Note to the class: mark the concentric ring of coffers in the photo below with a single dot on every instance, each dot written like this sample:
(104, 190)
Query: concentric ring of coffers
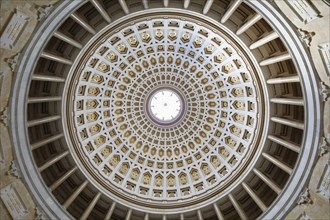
(115, 137)
(303, 77)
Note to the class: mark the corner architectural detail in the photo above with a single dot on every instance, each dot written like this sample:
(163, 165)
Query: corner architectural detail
(306, 36)
(43, 11)
(324, 147)
(324, 50)
(304, 216)
(13, 202)
(39, 215)
(1, 78)
(324, 92)
(4, 116)
(324, 186)
(13, 61)
(305, 10)
(13, 170)
(327, 2)
(13, 30)
(304, 197)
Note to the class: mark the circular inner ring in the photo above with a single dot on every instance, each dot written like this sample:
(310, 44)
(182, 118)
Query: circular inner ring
(209, 141)
(165, 106)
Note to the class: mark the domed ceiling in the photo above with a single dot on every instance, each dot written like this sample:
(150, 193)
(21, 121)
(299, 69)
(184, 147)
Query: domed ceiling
(140, 140)
(135, 110)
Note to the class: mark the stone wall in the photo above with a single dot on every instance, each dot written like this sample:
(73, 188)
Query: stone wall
(18, 21)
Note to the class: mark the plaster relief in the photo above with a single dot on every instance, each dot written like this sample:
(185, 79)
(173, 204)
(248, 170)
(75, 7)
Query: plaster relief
(4, 117)
(325, 55)
(324, 91)
(39, 215)
(13, 30)
(2, 157)
(13, 61)
(43, 11)
(324, 185)
(1, 79)
(13, 170)
(306, 36)
(305, 10)
(324, 147)
(13, 202)
(304, 198)
(304, 216)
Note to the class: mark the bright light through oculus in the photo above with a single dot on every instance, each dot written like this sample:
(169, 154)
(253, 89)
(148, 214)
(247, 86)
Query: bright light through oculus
(165, 105)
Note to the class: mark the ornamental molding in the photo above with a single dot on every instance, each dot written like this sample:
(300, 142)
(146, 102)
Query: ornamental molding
(13, 202)
(14, 170)
(304, 197)
(324, 50)
(304, 216)
(43, 11)
(306, 36)
(324, 91)
(324, 146)
(324, 185)
(13, 30)
(304, 9)
(39, 215)
(12, 61)
(4, 118)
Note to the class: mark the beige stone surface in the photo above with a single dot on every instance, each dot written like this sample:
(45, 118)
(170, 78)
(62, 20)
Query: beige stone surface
(320, 27)
(327, 119)
(4, 214)
(7, 9)
(24, 195)
(319, 209)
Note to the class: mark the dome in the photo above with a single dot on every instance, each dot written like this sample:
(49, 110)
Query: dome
(171, 113)
(166, 110)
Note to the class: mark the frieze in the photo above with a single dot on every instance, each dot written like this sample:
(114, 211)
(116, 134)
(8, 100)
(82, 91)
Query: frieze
(324, 91)
(304, 216)
(304, 197)
(43, 11)
(39, 215)
(13, 61)
(306, 36)
(304, 9)
(324, 50)
(13, 30)
(324, 186)
(4, 117)
(13, 170)
(13, 202)
(324, 147)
